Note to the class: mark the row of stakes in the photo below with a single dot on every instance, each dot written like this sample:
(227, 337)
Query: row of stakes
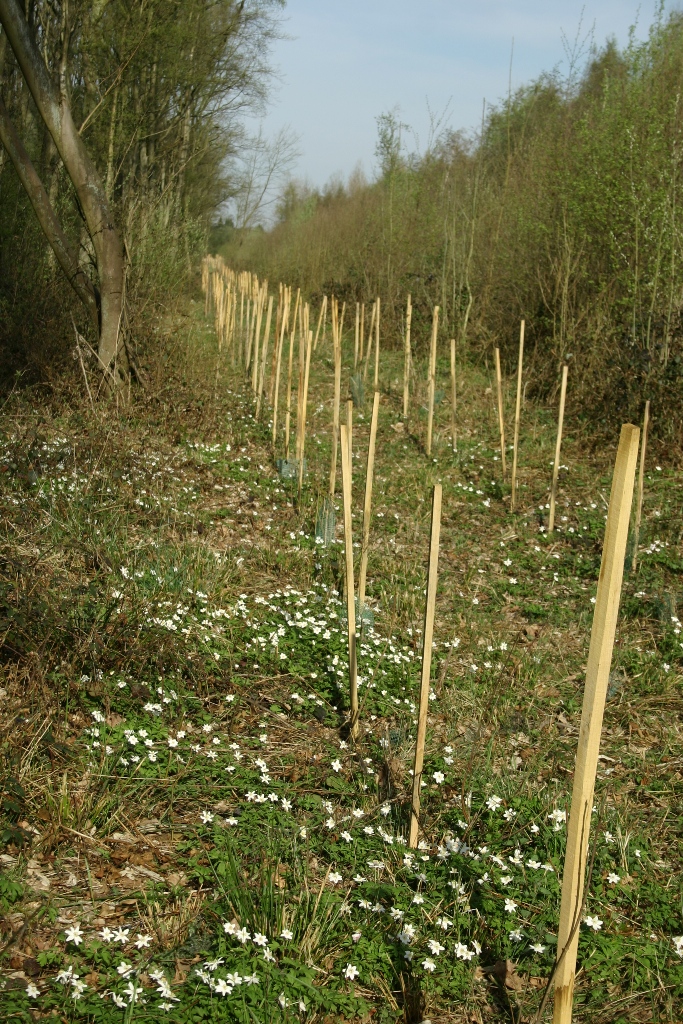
(611, 569)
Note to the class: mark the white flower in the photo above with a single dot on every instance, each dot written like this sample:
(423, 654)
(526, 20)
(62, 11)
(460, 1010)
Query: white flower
(493, 803)
(444, 923)
(222, 988)
(286, 934)
(206, 817)
(613, 878)
(515, 936)
(351, 972)
(678, 944)
(143, 941)
(124, 969)
(429, 965)
(558, 815)
(347, 837)
(462, 952)
(32, 991)
(334, 877)
(510, 906)
(609, 838)
(336, 765)
(593, 922)
(259, 939)
(106, 935)
(435, 947)
(74, 934)
(538, 948)
(439, 777)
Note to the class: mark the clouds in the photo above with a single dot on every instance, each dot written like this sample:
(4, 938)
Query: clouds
(343, 64)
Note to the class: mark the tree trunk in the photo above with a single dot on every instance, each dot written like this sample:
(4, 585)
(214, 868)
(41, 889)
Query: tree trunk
(56, 113)
(46, 216)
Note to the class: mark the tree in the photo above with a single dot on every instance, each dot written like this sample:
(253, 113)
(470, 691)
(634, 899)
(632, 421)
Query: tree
(55, 110)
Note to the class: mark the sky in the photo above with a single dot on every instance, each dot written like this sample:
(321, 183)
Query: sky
(341, 63)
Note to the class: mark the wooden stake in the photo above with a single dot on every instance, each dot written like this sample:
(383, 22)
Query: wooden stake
(341, 323)
(377, 346)
(350, 588)
(280, 345)
(501, 412)
(518, 407)
(303, 336)
(292, 336)
(264, 354)
(406, 360)
(337, 397)
(372, 326)
(595, 692)
(367, 507)
(558, 446)
(426, 666)
(309, 349)
(323, 313)
(641, 480)
(362, 332)
(454, 399)
(349, 427)
(431, 379)
(255, 346)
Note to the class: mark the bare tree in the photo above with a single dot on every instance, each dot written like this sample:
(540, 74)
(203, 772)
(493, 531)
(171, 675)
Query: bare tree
(264, 167)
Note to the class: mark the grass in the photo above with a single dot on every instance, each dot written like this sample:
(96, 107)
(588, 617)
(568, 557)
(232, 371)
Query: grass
(174, 700)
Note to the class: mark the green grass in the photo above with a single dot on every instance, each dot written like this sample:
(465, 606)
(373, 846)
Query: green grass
(175, 699)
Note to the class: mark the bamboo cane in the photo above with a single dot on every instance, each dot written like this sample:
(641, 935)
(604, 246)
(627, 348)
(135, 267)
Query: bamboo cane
(641, 481)
(558, 446)
(454, 435)
(356, 337)
(406, 360)
(367, 507)
(431, 379)
(349, 427)
(595, 691)
(337, 397)
(264, 354)
(309, 349)
(426, 666)
(350, 588)
(501, 414)
(518, 406)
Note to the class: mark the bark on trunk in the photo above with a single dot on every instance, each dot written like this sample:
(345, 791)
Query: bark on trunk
(56, 113)
(46, 216)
